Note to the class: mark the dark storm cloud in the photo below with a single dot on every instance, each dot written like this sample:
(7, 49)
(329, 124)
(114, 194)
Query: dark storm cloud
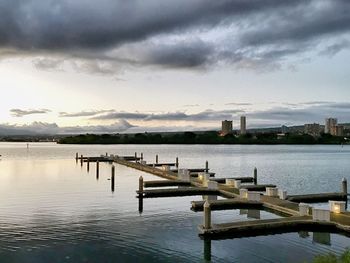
(22, 113)
(63, 24)
(170, 34)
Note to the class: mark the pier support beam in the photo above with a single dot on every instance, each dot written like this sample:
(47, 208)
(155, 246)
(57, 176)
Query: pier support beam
(207, 215)
(141, 156)
(206, 166)
(255, 175)
(157, 159)
(135, 157)
(76, 157)
(97, 169)
(112, 178)
(88, 164)
(177, 162)
(140, 186)
(345, 186)
(81, 160)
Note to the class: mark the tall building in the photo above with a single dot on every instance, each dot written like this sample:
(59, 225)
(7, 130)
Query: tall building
(243, 125)
(337, 130)
(313, 129)
(226, 127)
(330, 122)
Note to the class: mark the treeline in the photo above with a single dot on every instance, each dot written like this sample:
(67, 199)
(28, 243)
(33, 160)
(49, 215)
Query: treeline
(211, 137)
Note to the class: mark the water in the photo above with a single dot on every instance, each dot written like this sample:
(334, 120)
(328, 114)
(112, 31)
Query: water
(53, 210)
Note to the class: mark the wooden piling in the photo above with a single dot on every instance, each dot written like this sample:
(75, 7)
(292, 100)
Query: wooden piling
(345, 186)
(112, 178)
(135, 157)
(141, 156)
(177, 162)
(206, 166)
(207, 249)
(207, 215)
(157, 159)
(97, 169)
(140, 186)
(88, 164)
(255, 175)
(81, 160)
(76, 156)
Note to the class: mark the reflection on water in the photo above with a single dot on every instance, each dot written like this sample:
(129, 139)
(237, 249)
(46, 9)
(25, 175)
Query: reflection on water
(54, 210)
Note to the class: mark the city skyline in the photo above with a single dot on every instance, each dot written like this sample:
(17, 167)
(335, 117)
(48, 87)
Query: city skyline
(208, 62)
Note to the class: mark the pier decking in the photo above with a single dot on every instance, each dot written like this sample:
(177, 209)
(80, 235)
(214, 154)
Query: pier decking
(288, 206)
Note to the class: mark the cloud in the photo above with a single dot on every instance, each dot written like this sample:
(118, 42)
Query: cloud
(238, 104)
(83, 113)
(37, 128)
(116, 35)
(22, 113)
(207, 115)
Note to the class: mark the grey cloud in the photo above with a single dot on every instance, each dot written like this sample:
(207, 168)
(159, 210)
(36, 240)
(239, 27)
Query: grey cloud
(207, 115)
(238, 104)
(83, 113)
(37, 128)
(95, 38)
(22, 113)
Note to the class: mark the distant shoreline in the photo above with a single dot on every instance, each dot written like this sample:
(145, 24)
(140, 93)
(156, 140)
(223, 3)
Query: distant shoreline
(205, 138)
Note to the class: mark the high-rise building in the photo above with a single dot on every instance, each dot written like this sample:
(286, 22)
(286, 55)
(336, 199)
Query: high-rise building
(337, 130)
(330, 122)
(313, 129)
(226, 127)
(243, 125)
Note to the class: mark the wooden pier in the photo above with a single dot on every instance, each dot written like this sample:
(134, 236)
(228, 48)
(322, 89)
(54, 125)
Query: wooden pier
(297, 216)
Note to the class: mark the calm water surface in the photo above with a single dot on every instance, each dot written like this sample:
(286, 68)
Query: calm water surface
(54, 210)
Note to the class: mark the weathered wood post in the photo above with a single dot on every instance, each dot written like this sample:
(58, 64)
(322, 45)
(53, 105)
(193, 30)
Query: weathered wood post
(141, 156)
(157, 159)
(345, 186)
(135, 157)
(112, 178)
(141, 204)
(76, 157)
(206, 166)
(88, 164)
(97, 169)
(207, 215)
(140, 186)
(255, 176)
(81, 160)
(177, 162)
(207, 249)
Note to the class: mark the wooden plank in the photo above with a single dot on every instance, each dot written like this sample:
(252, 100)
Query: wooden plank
(161, 164)
(316, 198)
(171, 192)
(165, 183)
(227, 204)
(267, 227)
(257, 187)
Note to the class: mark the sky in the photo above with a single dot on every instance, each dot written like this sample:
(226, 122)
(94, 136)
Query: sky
(161, 65)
